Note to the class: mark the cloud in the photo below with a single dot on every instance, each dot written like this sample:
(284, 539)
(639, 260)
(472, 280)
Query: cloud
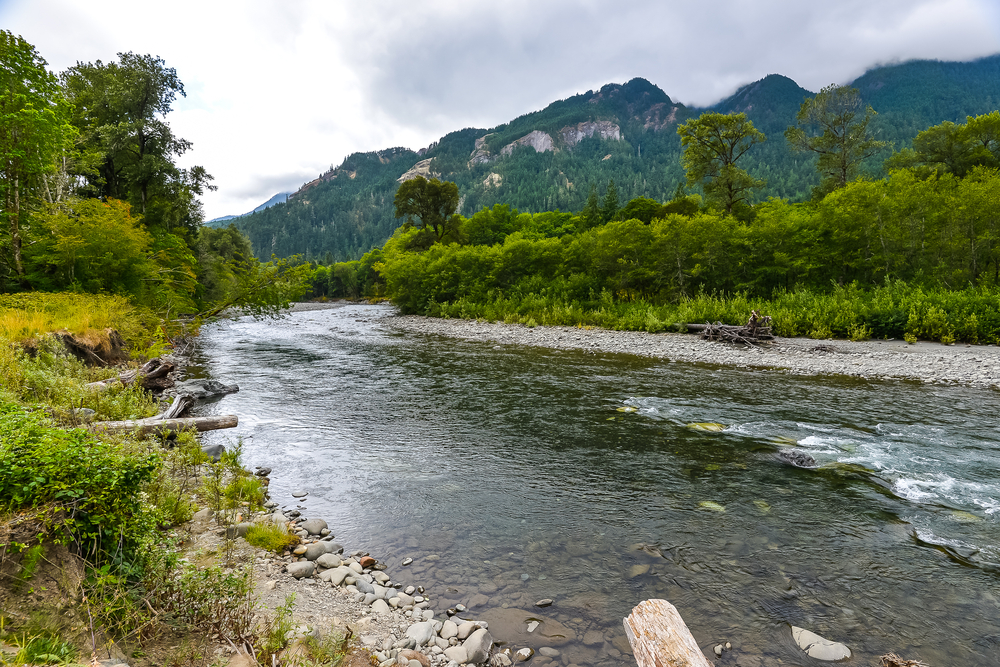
(279, 91)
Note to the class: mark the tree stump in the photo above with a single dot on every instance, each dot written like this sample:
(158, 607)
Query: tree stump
(659, 637)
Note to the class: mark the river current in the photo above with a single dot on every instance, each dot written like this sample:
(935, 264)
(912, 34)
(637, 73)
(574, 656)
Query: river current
(512, 474)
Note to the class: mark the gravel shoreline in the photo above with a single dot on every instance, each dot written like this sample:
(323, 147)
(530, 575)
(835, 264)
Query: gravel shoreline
(969, 365)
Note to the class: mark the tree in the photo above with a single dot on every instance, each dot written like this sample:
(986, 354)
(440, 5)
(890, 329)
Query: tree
(120, 109)
(713, 143)
(432, 203)
(34, 131)
(834, 125)
(950, 148)
(609, 209)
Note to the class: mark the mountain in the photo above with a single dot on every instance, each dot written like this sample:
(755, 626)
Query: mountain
(279, 198)
(550, 159)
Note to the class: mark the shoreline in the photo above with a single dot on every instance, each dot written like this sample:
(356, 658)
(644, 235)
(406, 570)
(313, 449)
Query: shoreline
(975, 366)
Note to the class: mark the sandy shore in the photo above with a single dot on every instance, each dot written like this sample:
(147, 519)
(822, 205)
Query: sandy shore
(970, 365)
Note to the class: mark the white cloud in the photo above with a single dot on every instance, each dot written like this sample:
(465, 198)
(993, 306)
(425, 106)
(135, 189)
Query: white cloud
(278, 91)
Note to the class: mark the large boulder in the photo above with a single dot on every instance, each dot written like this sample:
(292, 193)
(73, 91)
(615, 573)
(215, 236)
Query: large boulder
(478, 645)
(204, 388)
(313, 526)
(422, 633)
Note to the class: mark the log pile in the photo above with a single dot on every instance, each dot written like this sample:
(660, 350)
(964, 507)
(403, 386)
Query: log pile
(757, 330)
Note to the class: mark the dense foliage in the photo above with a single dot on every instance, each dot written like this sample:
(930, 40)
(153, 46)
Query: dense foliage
(348, 211)
(92, 197)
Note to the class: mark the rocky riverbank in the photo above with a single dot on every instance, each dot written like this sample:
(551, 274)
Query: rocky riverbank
(970, 365)
(338, 594)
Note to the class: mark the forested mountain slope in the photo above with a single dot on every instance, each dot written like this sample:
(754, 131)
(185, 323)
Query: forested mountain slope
(550, 159)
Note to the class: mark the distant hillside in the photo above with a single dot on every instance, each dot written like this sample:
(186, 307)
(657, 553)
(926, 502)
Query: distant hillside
(279, 198)
(549, 159)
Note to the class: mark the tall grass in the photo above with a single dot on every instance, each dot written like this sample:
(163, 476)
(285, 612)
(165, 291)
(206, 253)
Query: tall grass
(893, 310)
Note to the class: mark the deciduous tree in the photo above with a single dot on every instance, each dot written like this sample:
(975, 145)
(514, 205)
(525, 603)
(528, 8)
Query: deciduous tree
(713, 143)
(834, 125)
(431, 204)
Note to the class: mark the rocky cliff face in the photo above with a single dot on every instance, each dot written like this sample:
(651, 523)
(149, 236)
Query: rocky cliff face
(422, 168)
(540, 141)
(605, 129)
(481, 154)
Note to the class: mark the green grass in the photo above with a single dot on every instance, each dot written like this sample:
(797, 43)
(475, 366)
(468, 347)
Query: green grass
(271, 537)
(893, 310)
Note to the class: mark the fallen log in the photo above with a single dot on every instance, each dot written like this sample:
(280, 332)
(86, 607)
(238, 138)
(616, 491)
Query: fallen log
(757, 330)
(154, 374)
(162, 426)
(659, 637)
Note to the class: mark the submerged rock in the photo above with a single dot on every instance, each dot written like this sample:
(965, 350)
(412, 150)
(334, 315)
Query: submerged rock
(797, 458)
(204, 388)
(711, 505)
(707, 426)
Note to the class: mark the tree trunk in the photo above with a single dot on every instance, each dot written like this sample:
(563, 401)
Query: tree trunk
(659, 637)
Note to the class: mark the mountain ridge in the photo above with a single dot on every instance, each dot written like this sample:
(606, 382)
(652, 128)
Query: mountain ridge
(548, 159)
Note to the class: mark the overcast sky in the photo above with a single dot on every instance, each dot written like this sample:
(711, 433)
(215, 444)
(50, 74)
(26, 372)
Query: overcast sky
(279, 90)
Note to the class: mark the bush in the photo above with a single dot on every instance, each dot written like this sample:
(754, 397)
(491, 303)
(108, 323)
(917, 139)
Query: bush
(92, 489)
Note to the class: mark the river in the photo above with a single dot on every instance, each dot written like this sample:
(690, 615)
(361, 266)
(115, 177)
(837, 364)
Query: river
(512, 474)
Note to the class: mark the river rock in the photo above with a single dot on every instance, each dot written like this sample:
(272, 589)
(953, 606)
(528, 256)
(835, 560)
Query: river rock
(547, 602)
(478, 600)
(449, 629)
(421, 633)
(512, 625)
(317, 549)
(466, 629)
(239, 530)
(336, 575)
(328, 560)
(214, 452)
(411, 655)
(404, 599)
(593, 638)
(524, 654)
(819, 648)
(204, 388)
(301, 569)
(313, 526)
(797, 458)
(456, 654)
(478, 645)
(549, 652)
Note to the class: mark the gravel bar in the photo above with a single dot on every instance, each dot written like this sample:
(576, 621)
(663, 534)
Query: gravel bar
(969, 365)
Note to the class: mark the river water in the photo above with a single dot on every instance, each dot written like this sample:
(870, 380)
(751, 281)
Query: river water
(511, 474)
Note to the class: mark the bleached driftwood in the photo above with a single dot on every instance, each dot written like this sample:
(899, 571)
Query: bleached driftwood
(659, 637)
(151, 375)
(756, 330)
(168, 421)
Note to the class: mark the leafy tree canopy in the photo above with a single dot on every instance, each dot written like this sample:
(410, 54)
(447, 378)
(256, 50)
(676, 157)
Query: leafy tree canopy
(713, 143)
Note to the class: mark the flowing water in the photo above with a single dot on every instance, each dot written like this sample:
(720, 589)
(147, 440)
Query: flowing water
(509, 474)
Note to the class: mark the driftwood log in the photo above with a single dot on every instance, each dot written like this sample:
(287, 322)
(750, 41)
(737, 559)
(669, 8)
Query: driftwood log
(659, 637)
(757, 330)
(168, 421)
(154, 374)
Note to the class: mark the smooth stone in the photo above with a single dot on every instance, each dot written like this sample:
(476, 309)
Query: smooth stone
(512, 623)
(299, 550)
(415, 656)
(369, 598)
(718, 650)
(478, 645)
(478, 600)
(364, 586)
(317, 549)
(337, 575)
(204, 388)
(214, 451)
(381, 592)
(394, 602)
(263, 472)
(380, 607)
(279, 518)
(460, 608)
(449, 629)
(239, 530)
(532, 625)
(421, 632)
(410, 590)
(638, 570)
(356, 566)
(593, 638)
(407, 561)
(466, 629)
(544, 603)
(328, 560)
(300, 569)
(299, 494)
(549, 652)
(457, 654)
(819, 648)
(314, 526)
(381, 577)
(404, 599)
(525, 654)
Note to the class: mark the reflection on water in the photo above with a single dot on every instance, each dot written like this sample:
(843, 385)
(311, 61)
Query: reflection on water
(510, 475)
